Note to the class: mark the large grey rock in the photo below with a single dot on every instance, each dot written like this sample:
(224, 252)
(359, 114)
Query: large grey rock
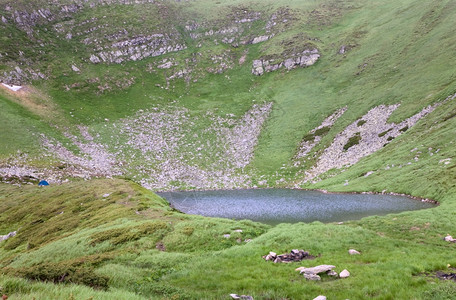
(313, 277)
(257, 67)
(289, 63)
(304, 59)
(307, 61)
(316, 270)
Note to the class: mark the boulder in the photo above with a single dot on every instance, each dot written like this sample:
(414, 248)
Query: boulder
(320, 298)
(316, 270)
(289, 63)
(344, 274)
(309, 60)
(257, 67)
(313, 277)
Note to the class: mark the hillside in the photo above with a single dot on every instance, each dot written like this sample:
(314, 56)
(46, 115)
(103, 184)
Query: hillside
(346, 96)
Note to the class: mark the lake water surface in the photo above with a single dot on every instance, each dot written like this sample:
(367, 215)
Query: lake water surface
(274, 206)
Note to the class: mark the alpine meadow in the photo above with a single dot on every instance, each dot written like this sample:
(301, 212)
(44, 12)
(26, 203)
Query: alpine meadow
(103, 103)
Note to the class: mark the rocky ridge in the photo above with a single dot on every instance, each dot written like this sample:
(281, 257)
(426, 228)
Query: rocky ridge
(105, 43)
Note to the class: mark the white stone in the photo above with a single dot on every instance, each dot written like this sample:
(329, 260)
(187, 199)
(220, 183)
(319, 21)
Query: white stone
(353, 252)
(320, 298)
(344, 274)
(74, 68)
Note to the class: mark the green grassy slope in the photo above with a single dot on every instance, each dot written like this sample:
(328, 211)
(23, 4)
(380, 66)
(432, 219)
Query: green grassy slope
(77, 235)
(393, 60)
(109, 247)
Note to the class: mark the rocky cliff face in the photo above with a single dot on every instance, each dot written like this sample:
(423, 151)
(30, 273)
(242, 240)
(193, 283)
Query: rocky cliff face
(305, 58)
(95, 33)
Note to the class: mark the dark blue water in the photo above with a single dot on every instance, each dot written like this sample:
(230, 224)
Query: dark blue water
(274, 206)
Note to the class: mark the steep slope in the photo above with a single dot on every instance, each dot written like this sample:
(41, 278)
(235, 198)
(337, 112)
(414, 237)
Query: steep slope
(105, 62)
(338, 95)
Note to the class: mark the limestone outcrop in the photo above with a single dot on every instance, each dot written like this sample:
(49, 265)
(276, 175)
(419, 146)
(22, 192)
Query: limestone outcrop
(305, 58)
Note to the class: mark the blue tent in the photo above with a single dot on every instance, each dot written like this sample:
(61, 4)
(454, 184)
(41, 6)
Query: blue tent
(43, 183)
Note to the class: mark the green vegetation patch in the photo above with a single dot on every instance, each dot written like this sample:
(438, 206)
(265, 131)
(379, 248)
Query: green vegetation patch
(79, 271)
(381, 134)
(361, 123)
(126, 234)
(352, 141)
(319, 132)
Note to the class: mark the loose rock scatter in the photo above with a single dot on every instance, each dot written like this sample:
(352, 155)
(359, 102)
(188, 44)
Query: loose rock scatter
(312, 273)
(446, 276)
(295, 255)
